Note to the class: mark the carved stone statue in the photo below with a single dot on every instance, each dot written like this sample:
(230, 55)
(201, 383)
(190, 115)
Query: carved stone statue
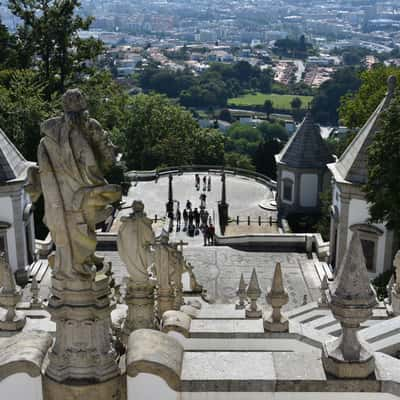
(73, 155)
(165, 259)
(395, 294)
(134, 239)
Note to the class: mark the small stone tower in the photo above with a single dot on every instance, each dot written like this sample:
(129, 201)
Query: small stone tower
(301, 170)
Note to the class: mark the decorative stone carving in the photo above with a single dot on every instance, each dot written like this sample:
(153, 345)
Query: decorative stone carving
(323, 301)
(253, 293)
(352, 301)
(176, 321)
(134, 240)
(241, 292)
(36, 301)
(165, 261)
(395, 295)
(156, 353)
(10, 296)
(23, 353)
(73, 156)
(277, 297)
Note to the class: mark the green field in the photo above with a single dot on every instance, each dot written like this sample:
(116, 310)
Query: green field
(280, 101)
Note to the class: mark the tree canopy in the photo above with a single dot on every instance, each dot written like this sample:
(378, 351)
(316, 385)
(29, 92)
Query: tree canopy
(383, 187)
(356, 107)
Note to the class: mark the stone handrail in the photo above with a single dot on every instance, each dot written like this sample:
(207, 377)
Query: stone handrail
(154, 174)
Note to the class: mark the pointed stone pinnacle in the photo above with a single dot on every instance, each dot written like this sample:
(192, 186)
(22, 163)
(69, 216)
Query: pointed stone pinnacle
(253, 290)
(277, 281)
(324, 283)
(242, 284)
(352, 285)
(253, 293)
(241, 292)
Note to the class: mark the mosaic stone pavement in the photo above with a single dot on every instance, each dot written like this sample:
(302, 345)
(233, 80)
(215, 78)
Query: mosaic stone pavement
(218, 269)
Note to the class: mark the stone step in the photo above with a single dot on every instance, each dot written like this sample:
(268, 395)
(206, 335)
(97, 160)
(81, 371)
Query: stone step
(333, 330)
(249, 328)
(322, 322)
(388, 345)
(299, 311)
(265, 344)
(310, 316)
(383, 328)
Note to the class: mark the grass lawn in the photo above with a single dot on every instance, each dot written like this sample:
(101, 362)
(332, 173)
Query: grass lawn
(280, 101)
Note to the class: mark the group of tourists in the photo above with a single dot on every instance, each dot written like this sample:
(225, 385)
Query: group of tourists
(196, 220)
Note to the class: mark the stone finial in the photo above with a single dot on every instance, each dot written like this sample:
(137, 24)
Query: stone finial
(253, 293)
(323, 300)
(241, 292)
(277, 297)
(195, 287)
(36, 301)
(352, 301)
(10, 296)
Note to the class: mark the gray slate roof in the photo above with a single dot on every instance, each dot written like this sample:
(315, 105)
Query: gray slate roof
(306, 148)
(352, 166)
(12, 164)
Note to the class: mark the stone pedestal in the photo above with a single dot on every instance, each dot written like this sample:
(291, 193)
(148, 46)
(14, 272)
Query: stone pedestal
(82, 350)
(113, 389)
(395, 302)
(140, 302)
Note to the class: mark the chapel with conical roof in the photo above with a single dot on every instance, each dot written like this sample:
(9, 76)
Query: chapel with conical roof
(349, 212)
(301, 170)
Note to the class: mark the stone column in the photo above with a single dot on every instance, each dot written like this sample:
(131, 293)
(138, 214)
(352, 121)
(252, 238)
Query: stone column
(170, 203)
(396, 287)
(352, 301)
(253, 293)
(135, 238)
(277, 297)
(10, 296)
(223, 206)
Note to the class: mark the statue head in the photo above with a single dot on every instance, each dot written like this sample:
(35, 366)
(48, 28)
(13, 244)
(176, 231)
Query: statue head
(74, 101)
(138, 207)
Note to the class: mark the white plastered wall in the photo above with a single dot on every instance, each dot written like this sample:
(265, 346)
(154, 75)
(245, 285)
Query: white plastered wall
(308, 190)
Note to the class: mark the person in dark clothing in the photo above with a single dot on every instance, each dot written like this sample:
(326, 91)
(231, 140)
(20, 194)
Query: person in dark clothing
(196, 215)
(197, 181)
(185, 219)
(191, 217)
(204, 183)
(209, 183)
(205, 235)
(188, 205)
(211, 234)
(203, 197)
(178, 219)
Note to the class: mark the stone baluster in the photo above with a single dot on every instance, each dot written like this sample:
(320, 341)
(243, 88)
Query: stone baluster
(10, 296)
(352, 301)
(253, 293)
(277, 297)
(241, 292)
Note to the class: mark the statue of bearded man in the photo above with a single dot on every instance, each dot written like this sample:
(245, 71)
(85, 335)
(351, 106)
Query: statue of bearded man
(73, 156)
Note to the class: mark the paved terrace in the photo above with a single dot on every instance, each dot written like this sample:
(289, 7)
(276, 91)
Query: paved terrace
(243, 196)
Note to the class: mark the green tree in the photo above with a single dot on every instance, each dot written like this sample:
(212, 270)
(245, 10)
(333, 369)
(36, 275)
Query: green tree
(225, 115)
(7, 48)
(268, 107)
(243, 139)
(160, 133)
(356, 108)
(383, 186)
(23, 109)
(296, 103)
(48, 39)
(237, 160)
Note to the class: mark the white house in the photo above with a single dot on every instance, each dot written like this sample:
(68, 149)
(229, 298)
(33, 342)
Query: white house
(349, 211)
(17, 235)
